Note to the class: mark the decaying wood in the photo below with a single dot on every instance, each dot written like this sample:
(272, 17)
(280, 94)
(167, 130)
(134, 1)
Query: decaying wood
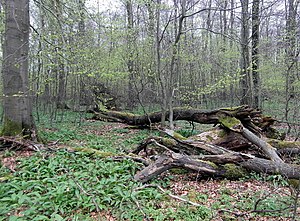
(213, 153)
(170, 160)
(267, 148)
(215, 165)
(270, 167)
(243, 113)
(236, 125)
(284, 144)
(224, 138)
(15, 143)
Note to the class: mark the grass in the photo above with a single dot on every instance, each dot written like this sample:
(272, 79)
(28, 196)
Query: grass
(68, 185)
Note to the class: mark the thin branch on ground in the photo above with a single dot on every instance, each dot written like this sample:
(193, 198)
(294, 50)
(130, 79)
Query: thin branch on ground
(83, 190)
(169, 194)
(12, 142)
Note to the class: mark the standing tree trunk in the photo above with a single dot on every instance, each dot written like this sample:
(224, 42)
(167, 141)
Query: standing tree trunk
(130, 61)
(174, 62)
(159, 71)
(291, 55)
(255, 55)
(60, 65)
(83, 94)
(245, 61)
(17, 104)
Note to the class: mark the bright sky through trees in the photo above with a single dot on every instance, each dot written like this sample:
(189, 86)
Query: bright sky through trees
(102, 5)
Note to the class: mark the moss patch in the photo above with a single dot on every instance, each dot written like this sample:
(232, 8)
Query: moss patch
(169, 142)
(97, 153)
(230, 122)
(11, 128)
(123, 114)
(178, 136)
(232, 108)
(222, 133)
(209, 163)
(233, 171)
(280, 144)
(209, 138)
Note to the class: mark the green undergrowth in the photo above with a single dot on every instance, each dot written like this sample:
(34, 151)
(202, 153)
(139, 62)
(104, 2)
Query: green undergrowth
(70, 185)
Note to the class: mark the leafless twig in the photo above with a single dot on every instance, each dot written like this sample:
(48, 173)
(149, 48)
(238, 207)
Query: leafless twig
(169, 194)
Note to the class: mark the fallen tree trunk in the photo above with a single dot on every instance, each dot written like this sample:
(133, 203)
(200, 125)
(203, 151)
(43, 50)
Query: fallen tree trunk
(256, 164)
(223, 163)
(236, 125)
(284, 144)
(237, 142)
(205, 166)
(241, 128)
(170, 160)
(243, 113)
(265, 147)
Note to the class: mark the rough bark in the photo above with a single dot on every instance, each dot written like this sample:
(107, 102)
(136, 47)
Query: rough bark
(208, 153)
(130, 61)
(244, 60)
(213, 161)
(243, 113)
(255, 54)
(172, 160)
(17, 103)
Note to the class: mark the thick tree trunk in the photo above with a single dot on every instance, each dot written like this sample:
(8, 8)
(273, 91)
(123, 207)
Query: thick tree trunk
(17, 104)
(243, 113)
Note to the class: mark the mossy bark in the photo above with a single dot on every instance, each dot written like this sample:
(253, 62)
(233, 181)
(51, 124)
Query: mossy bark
(95, 152)
(17, 103)
(280, 144)
(14, 128)
(233, 171)
(212, 160)
(11, 128)
(200, 116)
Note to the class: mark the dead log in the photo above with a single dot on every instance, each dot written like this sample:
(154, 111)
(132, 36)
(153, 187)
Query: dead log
(235, 141)
(270, 151)
(223, 138)
(17, 143)
(243, 113)
(260, 165)
(236, 125)
(223, 163)
(251, 118)
(170, 160)
(245, 126)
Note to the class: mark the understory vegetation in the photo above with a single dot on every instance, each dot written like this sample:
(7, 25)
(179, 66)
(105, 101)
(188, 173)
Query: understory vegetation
(65, 183)
(107, 105)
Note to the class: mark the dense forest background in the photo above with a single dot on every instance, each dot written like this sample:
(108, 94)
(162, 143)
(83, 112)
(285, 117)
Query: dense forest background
(159, 54)
(73, 70)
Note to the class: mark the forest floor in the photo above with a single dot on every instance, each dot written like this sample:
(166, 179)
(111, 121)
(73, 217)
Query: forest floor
(63, 184)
